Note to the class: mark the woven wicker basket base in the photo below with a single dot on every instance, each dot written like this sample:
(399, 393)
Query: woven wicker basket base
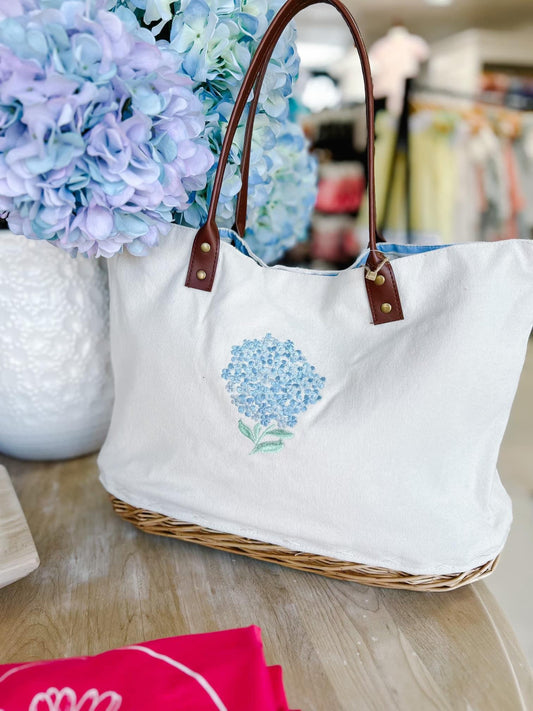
(161, 525)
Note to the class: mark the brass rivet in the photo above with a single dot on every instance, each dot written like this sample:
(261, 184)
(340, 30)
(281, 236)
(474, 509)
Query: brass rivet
(205, 247)
(201, 275)
(380, 280)
(386, 308)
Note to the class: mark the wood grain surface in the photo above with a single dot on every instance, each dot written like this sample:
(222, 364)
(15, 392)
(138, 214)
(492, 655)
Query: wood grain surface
(18, 555)
(343, 647)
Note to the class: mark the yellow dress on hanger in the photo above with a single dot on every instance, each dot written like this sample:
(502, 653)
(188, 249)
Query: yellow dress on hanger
(433, 175)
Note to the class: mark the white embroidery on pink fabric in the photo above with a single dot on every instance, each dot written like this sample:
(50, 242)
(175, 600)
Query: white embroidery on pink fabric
(45, 705)
(20, 668)
(66, 700)
(206, 686)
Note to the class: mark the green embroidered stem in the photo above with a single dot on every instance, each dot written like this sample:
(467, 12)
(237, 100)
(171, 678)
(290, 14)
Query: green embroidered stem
(257, 437)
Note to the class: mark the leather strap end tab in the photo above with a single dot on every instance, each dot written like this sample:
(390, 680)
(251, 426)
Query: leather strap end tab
(383, 296)
(204, 259)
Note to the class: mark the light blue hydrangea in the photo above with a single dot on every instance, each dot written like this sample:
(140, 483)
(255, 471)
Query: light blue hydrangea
(155, 10)
(216, 40)
(283, 201)
(101, 135)
(270, 382)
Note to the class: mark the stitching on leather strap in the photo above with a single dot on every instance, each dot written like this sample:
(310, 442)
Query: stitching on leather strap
(214, 265)
(398, 303)
(371, 302)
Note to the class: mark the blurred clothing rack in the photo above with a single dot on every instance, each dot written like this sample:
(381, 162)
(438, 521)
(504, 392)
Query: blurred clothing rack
(514, 102)
(464, 173)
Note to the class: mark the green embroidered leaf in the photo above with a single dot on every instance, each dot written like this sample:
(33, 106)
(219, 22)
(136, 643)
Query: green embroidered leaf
(274, 446)
(247, 432)
(257, 430)
(281, 433)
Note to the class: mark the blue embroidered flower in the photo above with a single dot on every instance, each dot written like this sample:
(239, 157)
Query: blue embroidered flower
(271, 382)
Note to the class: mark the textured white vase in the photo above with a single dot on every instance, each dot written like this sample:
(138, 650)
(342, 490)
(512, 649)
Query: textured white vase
(55, 375)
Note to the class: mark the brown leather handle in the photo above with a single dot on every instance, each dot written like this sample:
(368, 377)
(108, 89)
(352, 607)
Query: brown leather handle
(241, 207)
(205, 250)
(257, 67)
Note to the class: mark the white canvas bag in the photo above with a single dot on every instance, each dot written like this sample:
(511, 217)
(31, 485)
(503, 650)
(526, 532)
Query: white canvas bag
(353, 416)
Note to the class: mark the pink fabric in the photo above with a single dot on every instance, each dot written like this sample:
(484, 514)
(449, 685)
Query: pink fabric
(223, 671)
(334, 240)
(517, 202)
(340, 195)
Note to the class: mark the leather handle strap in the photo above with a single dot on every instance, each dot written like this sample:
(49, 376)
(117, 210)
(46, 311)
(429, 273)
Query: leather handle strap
(241, 207)
(257, 66)
(206, 246)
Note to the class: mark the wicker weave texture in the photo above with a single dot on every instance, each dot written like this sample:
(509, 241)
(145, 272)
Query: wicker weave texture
(158, 524)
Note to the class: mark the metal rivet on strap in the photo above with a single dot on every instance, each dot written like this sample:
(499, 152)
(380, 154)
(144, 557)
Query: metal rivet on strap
(386, 308)
(205, 247)
(201, 275)
(380, 280)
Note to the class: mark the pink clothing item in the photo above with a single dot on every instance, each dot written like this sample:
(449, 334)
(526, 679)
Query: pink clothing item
(218, 671)
(482, 195)
(342, 195)
(517, 200)
(395, 58)
(334, 239)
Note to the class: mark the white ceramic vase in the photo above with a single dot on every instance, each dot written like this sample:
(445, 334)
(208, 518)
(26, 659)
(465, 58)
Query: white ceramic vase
(55, 375)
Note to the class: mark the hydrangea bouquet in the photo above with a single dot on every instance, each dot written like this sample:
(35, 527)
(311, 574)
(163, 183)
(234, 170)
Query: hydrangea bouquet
(108, 130)
(101, 136)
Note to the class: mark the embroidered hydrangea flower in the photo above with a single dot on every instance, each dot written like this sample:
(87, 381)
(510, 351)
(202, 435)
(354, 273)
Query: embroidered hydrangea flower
(216, 40)
(270, 382)
(101, 136)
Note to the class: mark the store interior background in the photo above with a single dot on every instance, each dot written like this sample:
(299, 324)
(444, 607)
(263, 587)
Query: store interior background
(473, 96)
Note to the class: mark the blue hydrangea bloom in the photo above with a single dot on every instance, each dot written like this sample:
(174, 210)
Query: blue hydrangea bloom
(285, 202)
(271, 382)
(216, 40)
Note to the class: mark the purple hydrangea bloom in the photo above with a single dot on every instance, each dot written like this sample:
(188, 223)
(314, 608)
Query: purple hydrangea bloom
(101, 136)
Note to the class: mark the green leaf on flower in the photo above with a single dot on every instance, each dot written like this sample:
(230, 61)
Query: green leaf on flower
(274, 446)
(257, 430)
(247, 432)
(281, 433)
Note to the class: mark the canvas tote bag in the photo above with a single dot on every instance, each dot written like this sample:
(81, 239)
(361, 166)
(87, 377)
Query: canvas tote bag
(346, 423)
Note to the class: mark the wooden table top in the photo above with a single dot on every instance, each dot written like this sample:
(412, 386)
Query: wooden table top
(343, 647)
